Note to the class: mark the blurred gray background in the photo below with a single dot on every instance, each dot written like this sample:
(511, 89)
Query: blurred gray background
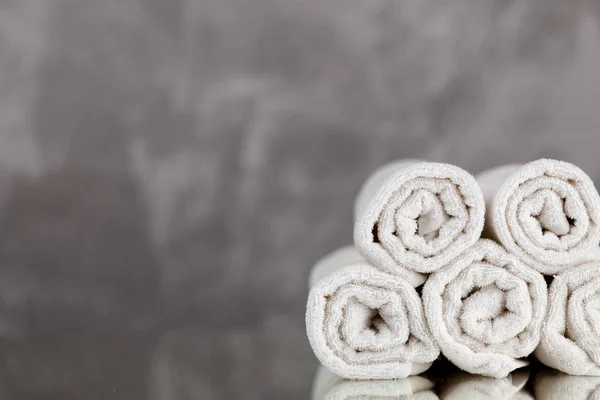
(172, 168)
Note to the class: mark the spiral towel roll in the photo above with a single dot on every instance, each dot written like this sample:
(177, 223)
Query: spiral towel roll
(328, 386)
(571, 335)
(546, 212)
(485, 310)
(414, 218)
(365, 324)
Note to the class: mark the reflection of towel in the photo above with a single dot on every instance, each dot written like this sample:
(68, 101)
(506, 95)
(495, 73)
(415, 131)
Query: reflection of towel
(415, 218)
(546, 212)
(366, 324)
(485, 310)
(463, 386)
(571, 335)
(328, 386)
(553, 385)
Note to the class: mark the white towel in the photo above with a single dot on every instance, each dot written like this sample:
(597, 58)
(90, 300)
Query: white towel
(332, 262)
(365, 324)
(415, 217)
(571, 334)
(553, 385)
(485, 310)
(546, 212)
(328, 386)
(463, 386)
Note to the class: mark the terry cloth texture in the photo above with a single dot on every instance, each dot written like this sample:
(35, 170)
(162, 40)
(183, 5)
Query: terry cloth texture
(571, 335)
(365, 324)
(486, 310)
(546, 212)
(414, 218)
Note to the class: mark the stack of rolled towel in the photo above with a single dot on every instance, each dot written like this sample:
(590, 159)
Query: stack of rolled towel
(444, 261)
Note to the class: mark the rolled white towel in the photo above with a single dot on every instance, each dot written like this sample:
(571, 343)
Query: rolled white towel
(546, 212)
(332, 262)
(571, 332)
(365, 324)
(328, 386)
(463, 386)
(485, 310)
(414, 217)
(554, 385)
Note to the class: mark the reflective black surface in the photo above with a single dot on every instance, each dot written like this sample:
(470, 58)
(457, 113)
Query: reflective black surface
(192, 364)
(444, 381)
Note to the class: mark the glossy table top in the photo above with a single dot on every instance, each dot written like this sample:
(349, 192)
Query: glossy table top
(195, 364)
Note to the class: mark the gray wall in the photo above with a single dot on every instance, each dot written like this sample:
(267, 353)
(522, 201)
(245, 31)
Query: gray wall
(180, 164)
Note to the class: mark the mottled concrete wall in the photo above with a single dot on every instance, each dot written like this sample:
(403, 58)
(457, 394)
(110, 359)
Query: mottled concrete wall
(171, 164)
